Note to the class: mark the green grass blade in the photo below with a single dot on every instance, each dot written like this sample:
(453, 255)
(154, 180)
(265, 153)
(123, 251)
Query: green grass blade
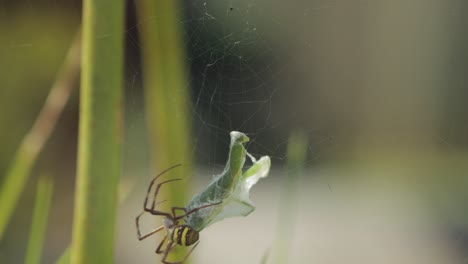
(39, 220)
(123, 194)
(166, 89)
(167, 96)
(99, 146)
(32, 144)
(65, 257)
(264, 259)
(296, 157)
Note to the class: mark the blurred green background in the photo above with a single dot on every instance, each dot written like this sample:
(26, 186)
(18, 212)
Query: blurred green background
(378, 87)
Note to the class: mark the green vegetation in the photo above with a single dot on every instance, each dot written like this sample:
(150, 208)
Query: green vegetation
(264, 259)
(39, 220)
(33, 143)
(296, 158)
(100, 133)
(167, 94)
(65, 257)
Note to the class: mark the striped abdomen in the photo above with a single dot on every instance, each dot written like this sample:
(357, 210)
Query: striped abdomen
(184, 235)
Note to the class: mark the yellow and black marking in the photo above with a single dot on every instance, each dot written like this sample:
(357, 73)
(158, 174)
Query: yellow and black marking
(184, 235)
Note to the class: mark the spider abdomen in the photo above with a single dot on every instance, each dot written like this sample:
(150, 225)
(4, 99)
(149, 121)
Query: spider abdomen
(184, 235)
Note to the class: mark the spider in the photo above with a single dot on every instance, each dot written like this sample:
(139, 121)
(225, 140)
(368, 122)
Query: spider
(176, 234)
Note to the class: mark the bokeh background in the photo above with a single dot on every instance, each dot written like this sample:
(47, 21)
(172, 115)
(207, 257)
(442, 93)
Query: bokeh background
(378, 87)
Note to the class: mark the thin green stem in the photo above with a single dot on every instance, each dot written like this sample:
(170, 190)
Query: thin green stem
(65, 257)
(32, 144)
(296, 156)
(99, 146)
(39, 220)
(166, 93)
(264, 259)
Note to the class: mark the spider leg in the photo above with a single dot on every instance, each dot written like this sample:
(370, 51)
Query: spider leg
(170, 247)
(158, 249)
(151, 209)
(191, 211)
(154, 180)
(178, 208)
(141, 237)
(156, 191)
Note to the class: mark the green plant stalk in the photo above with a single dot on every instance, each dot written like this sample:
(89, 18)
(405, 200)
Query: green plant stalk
(264, 259)
(33, 142)
(167, 95)
(65, 257)
(100, 132)
(296, 157)
(39, 221)
(123, 193)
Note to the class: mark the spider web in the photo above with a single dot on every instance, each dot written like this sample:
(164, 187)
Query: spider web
(237, 73)
(241, 79)
(231, 66)
(258, 68)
